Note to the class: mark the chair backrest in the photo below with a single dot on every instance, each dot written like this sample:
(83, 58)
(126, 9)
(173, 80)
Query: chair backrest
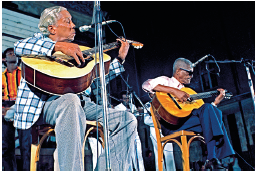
(154, 117)
(156, 124)
(40, 130)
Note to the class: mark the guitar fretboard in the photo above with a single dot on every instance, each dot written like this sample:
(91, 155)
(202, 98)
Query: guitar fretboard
(204, 95)
(106, 47)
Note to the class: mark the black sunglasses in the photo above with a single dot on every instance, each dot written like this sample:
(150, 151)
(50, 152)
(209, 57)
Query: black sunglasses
(190, 72)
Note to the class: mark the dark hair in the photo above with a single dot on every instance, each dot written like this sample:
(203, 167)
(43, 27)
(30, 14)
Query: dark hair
(124, 92)
(4, 56)
(6, 50)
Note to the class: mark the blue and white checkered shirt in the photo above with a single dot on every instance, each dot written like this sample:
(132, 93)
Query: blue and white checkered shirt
(30, 101)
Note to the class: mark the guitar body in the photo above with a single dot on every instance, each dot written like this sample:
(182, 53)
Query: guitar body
(58, 79)
(165, 108)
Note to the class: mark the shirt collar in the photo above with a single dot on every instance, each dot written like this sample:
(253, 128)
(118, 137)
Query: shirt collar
(18, 68)
(41, 36)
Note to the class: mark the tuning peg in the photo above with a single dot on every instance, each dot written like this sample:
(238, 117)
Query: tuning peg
(138, 47)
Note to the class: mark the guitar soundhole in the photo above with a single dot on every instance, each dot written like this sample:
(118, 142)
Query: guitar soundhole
(82, 64)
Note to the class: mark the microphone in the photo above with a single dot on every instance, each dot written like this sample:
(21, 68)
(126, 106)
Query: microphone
(87, 27)
(201, 59)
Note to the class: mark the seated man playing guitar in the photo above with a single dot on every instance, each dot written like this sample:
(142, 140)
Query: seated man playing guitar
(205, 118)
(69, 112)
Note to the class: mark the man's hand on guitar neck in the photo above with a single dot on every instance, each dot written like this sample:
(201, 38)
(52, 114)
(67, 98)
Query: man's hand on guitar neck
(123, 51)
(220, 97)
(70, 49)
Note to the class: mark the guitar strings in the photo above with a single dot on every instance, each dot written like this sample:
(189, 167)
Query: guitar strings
(92, 50)
(204, 95)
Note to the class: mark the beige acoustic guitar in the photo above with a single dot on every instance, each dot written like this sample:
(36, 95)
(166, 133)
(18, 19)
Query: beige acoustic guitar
(59, 73)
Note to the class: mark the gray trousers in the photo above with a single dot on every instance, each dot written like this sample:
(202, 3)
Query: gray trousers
(69, 118)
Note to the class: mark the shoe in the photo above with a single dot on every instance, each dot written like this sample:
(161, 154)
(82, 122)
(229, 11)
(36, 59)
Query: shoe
(214, 165)
(207, 166)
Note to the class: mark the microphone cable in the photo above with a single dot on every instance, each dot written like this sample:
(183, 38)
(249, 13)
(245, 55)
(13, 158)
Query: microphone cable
(124, 35)
(206, 66)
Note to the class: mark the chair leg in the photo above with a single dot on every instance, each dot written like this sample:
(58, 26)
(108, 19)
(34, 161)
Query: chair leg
(160, 157)
(83, 145)
(85, 138)
(34, 157)
(185, 153)
(35, 151)
(159, 144)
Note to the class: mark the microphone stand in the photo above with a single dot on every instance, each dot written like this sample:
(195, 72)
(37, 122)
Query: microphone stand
(98, 34)
(133, 92)
(247, 63)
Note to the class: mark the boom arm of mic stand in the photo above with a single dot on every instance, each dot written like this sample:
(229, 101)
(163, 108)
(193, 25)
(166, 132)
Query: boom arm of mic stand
(246, 63)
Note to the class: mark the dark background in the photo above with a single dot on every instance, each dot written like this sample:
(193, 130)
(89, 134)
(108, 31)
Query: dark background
(173, 29)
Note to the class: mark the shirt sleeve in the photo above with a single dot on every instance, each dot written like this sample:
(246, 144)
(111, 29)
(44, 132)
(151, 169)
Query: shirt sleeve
(36, 45)
(150, 84)
(115, 70)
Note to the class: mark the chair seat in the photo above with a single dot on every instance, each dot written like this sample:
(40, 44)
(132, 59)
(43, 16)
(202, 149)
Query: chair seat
(178, 134)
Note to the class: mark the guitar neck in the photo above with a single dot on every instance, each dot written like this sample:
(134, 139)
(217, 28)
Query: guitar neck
(106, 48)
(204, 95)
(111, 46)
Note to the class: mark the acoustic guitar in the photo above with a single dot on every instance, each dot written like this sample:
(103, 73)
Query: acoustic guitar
(59, 73)
(170, 109)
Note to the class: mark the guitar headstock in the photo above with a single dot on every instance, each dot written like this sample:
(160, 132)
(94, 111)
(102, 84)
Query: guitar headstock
(135, 44)
(228, 95)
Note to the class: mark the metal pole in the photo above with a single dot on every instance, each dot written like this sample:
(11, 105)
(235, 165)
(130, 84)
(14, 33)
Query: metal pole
(250, 85)
(98, 22)
(246, 64)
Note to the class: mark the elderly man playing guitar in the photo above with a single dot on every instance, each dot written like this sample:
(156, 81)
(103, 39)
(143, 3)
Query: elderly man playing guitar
(69, 112)
(204, 118)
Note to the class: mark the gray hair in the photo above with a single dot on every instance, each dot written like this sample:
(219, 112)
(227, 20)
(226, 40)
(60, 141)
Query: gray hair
(49, 16)
(181, 63)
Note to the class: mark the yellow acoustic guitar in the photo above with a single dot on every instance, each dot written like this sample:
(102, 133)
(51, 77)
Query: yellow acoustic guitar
(59, 73)
(170, 109)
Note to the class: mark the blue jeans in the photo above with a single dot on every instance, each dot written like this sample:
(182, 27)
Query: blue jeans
(8, 146)
(25, 140)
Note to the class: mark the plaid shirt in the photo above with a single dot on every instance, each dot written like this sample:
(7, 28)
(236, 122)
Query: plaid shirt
(30, 101)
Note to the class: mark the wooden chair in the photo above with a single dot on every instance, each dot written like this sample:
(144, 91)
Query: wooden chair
(183, 138)
(48, 130)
